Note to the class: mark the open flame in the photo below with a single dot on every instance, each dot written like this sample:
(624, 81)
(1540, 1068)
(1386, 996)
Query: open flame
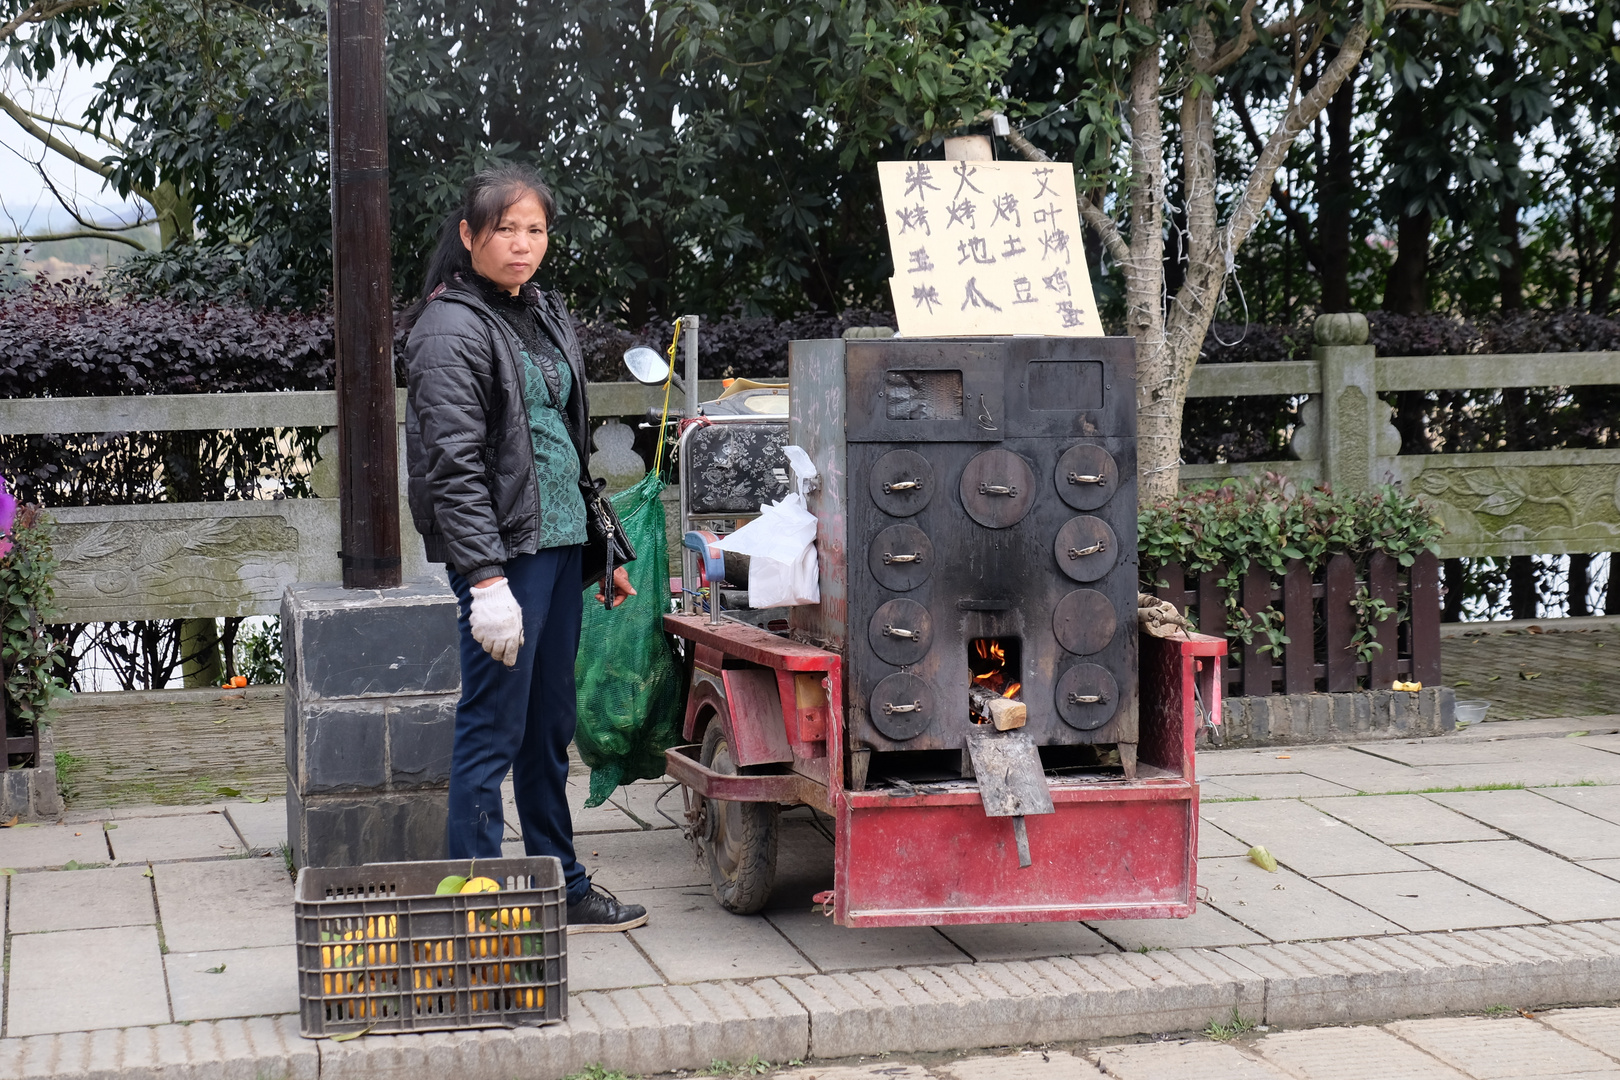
(993, 672)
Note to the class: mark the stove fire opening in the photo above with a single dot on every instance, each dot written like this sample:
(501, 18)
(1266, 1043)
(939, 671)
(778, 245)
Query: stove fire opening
(995, 667)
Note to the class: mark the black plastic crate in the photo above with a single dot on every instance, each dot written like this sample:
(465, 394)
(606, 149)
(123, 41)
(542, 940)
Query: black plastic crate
(379, 952)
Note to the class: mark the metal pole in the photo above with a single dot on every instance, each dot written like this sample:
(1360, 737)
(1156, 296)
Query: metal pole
(689, 334)
(368, 469)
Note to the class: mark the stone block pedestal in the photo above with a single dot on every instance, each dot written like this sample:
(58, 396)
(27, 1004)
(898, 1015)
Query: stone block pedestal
(372, 682)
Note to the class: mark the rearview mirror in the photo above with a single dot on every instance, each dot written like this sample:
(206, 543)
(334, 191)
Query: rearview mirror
(646, 366)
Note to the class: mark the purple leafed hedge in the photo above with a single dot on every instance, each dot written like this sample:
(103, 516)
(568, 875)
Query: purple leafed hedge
(75, 339)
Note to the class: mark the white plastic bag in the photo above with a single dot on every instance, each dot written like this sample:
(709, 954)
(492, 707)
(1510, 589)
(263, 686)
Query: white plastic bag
(781, 545)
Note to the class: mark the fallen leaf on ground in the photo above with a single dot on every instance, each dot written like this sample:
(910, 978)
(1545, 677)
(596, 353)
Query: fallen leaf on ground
(214, 970)
(147, 872)
(347, 1035)
(1462, 682)
(13, 821)
(255, 798)
(1528, 675)
(228, 792)
(1576, 734)
(1493, 678)
(1263, 859)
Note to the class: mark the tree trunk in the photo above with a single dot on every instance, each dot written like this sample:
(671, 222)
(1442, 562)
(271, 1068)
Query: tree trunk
(200, 664)
(1168, 343)
(1510, 277)
(1452, 607)
(1580, 579)
(1406, 290)
(1603, 284)
(1336, 191)
(1523, 596)
(1158, 406)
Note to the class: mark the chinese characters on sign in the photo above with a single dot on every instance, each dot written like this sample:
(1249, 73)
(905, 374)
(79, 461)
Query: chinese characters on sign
(987, 247)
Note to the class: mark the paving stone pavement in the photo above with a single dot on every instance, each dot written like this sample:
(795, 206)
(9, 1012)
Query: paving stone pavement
(1416, 878)
(144, 748)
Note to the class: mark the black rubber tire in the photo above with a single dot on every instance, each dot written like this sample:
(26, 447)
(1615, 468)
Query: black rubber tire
(740, 838)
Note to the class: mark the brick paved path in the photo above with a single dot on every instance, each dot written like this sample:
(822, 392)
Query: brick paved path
(170, 748)
(1569, 1044)
(1559, 673)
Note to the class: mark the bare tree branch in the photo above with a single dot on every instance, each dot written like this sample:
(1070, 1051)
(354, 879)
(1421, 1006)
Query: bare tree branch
(1106, 230)
(56, 121)
(42, 11)
(1298, 223)
(25, 121)
(1297, 119)
(1233, 51)
(78, 234)
(1093, 214)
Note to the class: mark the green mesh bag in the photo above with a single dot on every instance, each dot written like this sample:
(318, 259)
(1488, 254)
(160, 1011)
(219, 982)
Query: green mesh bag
(628, 679)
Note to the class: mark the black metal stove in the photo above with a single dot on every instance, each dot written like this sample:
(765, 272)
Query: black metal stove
(978, 528)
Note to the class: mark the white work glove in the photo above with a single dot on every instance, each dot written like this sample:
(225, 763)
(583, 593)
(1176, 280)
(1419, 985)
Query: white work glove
(497, 621)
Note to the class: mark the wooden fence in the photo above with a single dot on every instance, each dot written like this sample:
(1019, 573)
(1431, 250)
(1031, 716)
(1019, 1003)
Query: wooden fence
(1320, 620)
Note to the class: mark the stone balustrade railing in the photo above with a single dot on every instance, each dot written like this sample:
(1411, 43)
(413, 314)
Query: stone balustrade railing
(199, 560)
(207, 560)
(1502, 503)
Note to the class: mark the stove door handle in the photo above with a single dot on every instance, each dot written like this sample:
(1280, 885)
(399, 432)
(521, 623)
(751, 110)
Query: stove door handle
(909, 635)
(902, 485)
(1098, 547)
(998, 489)
(890, 557)
(1087, 478)
(1085, 699)
(888, 709)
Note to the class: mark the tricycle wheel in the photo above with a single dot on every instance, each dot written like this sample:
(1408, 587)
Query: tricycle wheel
(740, 839)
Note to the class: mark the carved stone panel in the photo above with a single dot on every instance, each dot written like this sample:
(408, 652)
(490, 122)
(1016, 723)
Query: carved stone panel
(1554, 501)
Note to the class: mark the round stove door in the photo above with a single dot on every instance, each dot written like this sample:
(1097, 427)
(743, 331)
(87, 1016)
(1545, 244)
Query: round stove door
(902, 482)
(901, 557)
(1084, 622)
(998, 488)
(901, 632)
(1087, 697)
(1086, 548)
(902, 706)
(1086, 476)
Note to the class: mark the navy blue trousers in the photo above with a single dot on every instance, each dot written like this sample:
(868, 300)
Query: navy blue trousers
(520, 718)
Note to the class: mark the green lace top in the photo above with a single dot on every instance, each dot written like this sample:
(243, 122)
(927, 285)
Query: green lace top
(556, 462)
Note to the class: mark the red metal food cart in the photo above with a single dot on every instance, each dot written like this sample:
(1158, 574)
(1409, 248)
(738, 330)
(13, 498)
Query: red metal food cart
(776, 716)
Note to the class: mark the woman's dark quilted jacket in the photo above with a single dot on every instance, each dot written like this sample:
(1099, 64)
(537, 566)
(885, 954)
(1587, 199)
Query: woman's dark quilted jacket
(473, 493)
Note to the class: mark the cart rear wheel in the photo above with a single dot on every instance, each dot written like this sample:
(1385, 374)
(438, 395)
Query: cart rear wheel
(740, 839)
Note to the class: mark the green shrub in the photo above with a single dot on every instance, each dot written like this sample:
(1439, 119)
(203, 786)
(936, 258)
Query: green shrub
(258, 653)
(30, 655)
(1267, 521)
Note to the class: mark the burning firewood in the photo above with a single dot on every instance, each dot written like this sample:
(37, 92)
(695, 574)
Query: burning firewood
(1004, 713)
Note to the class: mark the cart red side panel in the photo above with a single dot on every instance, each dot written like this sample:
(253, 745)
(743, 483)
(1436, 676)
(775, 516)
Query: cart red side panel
(1108, 852)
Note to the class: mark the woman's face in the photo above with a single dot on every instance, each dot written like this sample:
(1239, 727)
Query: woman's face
(510, 253)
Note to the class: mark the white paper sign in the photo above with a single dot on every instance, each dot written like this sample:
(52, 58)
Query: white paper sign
(987, 248)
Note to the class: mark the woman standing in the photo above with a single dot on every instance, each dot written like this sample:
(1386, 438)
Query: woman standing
(495, 431)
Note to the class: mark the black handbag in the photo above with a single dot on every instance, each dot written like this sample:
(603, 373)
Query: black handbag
(606, 545)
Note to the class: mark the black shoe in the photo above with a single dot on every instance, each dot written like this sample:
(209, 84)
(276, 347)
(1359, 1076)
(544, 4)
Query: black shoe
(600, 912)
